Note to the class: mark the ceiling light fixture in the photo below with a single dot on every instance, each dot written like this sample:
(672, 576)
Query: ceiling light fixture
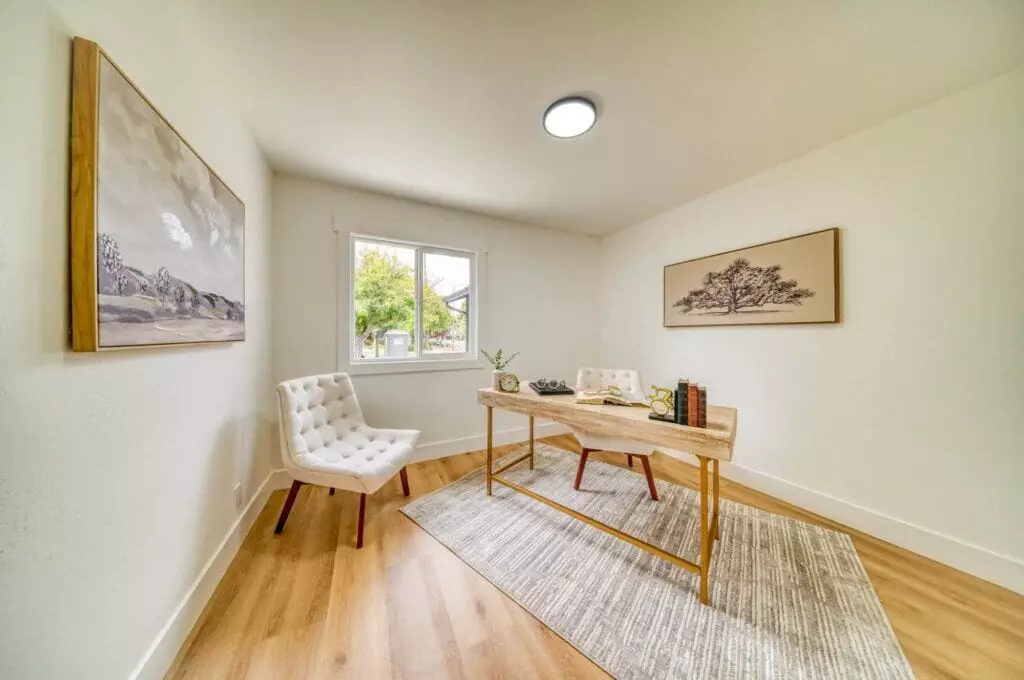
(570, 117)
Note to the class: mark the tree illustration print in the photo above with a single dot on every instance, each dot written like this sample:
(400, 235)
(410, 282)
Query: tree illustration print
(742, 286)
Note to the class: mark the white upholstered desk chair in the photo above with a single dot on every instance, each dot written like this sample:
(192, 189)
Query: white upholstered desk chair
(629, 382)
(325, 441)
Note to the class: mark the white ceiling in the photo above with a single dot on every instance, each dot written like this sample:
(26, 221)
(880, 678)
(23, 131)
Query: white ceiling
(442, 100)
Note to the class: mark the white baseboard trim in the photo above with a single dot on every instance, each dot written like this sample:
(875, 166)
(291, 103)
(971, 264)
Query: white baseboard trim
(158, 658)
(986, 564)
(453, 447)
(278, 479)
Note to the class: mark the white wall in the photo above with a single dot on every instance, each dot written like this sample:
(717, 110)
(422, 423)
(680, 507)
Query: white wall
(540, 299)
(116, 469)
(906, 419)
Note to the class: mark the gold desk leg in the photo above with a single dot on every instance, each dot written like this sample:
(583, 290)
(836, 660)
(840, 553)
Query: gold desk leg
(490, 446)
(714, 494)
(531, 442)
(705, 537)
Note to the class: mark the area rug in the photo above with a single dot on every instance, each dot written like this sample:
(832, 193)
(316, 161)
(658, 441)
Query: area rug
(787, 599)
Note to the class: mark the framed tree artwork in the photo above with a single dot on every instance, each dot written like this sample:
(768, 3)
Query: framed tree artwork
(794, 280)
(157, 238)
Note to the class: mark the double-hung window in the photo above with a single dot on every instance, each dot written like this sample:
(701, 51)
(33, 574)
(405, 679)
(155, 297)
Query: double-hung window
(411, 302)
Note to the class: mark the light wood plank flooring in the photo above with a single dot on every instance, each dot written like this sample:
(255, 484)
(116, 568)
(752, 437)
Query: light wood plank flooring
(307, 604)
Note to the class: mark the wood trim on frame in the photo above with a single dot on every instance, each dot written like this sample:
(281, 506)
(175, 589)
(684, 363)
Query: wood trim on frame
(84, 181)
(84, 146)
(836, 265)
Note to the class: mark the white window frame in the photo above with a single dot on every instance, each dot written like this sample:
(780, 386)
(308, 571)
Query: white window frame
(422, 361)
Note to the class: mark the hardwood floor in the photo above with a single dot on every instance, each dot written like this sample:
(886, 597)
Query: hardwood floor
(307, 604)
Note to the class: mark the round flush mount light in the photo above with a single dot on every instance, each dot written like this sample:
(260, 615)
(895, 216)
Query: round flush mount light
(570, 117)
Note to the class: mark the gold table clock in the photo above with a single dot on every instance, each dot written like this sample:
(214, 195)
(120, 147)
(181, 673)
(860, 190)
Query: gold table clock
(509, 383)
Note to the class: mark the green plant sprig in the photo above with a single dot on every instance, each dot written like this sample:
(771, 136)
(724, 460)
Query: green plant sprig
(497, 360)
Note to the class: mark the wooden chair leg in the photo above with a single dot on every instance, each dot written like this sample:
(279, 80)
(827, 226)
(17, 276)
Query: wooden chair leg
(332, 491)
(405, 481)
(579, 470)
(362, 516)
(629, 460)
(288, 503)
(646, 460)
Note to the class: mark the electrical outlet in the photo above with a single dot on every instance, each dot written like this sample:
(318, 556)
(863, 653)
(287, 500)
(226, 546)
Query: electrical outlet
(238, 495)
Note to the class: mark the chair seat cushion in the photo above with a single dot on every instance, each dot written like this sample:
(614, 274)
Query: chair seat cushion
(369, 456)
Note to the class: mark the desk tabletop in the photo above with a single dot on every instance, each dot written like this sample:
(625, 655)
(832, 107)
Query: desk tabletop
(714, 441)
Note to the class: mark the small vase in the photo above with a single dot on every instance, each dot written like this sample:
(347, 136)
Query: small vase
(496, 379)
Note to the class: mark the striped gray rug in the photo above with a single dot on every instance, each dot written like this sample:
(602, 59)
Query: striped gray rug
(788, 599)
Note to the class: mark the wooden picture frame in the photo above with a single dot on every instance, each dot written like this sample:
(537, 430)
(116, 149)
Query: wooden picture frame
(793, 280)
(157, 250)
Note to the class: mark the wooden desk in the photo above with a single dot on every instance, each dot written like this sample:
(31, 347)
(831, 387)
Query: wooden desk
(711, 445)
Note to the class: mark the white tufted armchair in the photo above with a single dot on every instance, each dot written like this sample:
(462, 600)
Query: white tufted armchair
(629, 382)
(325, 441)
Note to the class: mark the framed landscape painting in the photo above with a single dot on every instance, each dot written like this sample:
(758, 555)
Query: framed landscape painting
(157, 238)
(794, 280)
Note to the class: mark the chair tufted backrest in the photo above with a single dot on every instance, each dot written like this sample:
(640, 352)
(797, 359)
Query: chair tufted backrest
(595, 378)
(317, 410)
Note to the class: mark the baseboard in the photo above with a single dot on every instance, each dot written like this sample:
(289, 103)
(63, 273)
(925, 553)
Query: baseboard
(160, 655)
(278, 479)
(994, 567)
(476, 442)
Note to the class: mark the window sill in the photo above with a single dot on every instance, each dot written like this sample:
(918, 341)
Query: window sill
(416, 366)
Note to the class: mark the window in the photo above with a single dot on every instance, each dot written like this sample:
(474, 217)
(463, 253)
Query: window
(411, 302)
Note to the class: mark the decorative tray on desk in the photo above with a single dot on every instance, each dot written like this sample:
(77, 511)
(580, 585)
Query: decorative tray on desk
(550, 387)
